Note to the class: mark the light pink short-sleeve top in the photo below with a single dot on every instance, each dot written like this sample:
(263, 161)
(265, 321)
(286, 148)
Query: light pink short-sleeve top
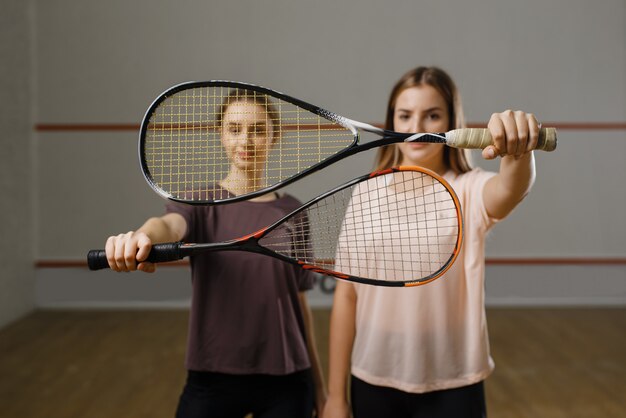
(434, 336)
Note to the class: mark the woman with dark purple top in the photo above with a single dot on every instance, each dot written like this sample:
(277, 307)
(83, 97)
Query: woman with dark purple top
(250, 347)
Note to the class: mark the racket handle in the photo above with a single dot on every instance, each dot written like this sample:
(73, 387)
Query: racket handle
(160, 253)
(479, 138)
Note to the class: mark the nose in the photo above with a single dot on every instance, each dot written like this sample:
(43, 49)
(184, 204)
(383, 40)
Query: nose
(245, 137)
(415, 125)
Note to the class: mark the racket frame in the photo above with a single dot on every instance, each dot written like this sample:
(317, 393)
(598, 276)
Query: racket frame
(388, 138)
(250, 242)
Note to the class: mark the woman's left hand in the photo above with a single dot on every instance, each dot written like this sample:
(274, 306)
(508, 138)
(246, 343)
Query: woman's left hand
(514, 133)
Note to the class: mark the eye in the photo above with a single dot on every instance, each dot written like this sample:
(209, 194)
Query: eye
(259, 129)
(434, 116)
(233, 129)
(404, 117)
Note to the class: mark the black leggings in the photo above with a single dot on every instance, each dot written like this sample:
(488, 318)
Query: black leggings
(369, 401)
(208, 394)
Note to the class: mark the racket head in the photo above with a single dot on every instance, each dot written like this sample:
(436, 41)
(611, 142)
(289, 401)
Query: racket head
(397, 227)
(194, 133)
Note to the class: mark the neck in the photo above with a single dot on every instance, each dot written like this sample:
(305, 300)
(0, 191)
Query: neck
(437, 165)
(240, 182)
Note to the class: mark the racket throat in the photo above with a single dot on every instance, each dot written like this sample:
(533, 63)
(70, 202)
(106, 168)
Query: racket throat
(427, 137)
(248, 244)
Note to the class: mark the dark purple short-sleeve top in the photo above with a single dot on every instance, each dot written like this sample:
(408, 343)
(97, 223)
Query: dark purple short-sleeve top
(245, 316)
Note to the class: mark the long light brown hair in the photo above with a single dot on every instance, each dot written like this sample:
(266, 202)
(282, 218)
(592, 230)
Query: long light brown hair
(456, 159)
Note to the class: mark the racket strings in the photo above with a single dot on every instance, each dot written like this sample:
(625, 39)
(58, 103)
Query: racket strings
(397, 227)
(198, 137)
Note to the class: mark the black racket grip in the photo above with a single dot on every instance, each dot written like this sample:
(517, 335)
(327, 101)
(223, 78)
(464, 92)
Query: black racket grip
(160, 253)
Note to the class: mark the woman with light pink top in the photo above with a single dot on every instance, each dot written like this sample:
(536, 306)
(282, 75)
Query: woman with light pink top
(424, 351)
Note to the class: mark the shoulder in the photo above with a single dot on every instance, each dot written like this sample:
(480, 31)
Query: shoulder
(471, 180)
(469, 188)
(475, 174)
(210, 193)
(287, 202)
(177, 207)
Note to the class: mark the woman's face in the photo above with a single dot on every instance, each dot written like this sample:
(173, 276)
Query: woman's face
(421, 109)
(247, 135)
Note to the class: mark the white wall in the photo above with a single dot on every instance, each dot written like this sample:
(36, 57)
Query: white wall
(564, 60)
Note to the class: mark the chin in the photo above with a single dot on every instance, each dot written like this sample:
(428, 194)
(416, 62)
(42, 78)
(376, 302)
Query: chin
(250, 165)
(416, 158)
(417, 154)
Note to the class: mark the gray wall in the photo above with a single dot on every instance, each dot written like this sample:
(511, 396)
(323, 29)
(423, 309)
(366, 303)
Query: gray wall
(104, 62)
(17, 241)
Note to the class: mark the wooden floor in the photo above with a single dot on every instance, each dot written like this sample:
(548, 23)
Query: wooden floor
(549, 363)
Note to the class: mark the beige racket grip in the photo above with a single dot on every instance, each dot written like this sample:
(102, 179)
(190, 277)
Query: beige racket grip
(478, 138)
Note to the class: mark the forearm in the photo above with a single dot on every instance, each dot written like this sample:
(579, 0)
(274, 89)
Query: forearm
(517, 175)
(509, 187)
(167, 228)
(515, 134)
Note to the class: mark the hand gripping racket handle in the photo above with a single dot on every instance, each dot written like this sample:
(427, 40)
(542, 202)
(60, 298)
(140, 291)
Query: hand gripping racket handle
(160, 253)
(478, 138)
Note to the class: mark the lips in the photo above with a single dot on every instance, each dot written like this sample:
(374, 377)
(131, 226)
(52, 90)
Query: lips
(245, 155)
(418, 145)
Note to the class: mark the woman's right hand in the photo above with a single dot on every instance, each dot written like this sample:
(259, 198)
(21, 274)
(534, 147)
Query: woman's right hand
(336, 407)
(128, 252)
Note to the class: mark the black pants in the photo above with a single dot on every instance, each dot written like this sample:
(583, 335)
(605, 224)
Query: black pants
(369, 401)
(208, 394)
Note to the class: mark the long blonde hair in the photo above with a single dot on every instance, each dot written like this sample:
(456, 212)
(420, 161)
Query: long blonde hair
(456, 159)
